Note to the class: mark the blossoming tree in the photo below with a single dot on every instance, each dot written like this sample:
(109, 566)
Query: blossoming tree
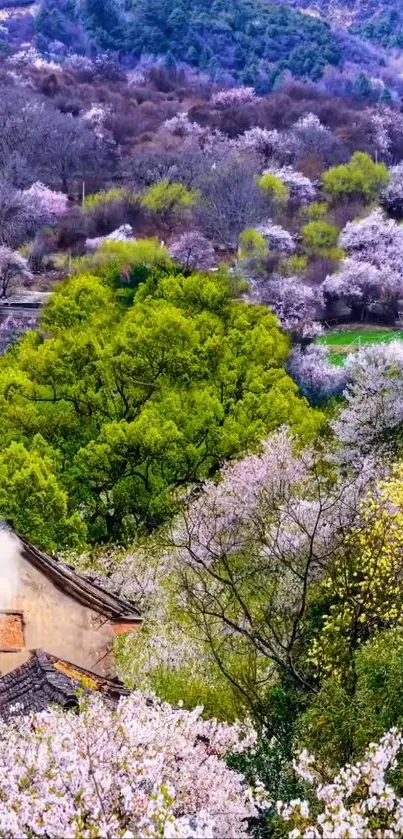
(145, 769)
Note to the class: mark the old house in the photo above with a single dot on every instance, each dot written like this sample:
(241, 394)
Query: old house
(56, 629)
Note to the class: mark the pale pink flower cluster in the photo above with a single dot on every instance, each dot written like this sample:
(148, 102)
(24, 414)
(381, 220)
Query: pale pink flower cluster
(213, 141)
(233, 96)
(260, 140)
(372, 273)
(374, 400)
(279, 240)
(124, 233)
(296, 305)
(33, 57)
(193, 251)
(52, 202)
(374, 238)
(358, 804)
(392, 197)
(301, 189)
(145, 769)
(317, 378)
(180, 124)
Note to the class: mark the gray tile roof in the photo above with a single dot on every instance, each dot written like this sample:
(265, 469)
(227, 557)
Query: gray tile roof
(46, 680)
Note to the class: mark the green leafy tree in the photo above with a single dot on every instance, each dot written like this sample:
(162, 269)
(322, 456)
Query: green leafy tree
(32, 499)
(362, 87)
(167, 198)
(340, 723)
(273, 188)
(320, 238)
(126, 264)
(360, 178)
(138, 402)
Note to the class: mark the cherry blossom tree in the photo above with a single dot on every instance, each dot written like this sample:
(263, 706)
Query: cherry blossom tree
(372, 273)
(14, 271)
(260, 141)
(193, 251)
(359, 802)
(373, 239)
(361, 285)
(297, 306)
(301, 189)
(54, 203)
(392, 197)
(317, 378)
(278, 239)
(371, 420)
(12, 329)
(247, 549)
(143, 769)
(181, 125)
(233, 96)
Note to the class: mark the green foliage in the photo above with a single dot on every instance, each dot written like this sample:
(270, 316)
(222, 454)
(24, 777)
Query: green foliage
(361, 178)
(270, 762)
(31, 497)
(251, 34)
(274, 188)
(166, 197)
(126, 263)
(385, 28)
(98, 199)
(137, 402)
(341, 723)
(320, 238)
(362, 87)
(252, 245)
(314, 212)
(72, 22)
(293, 265)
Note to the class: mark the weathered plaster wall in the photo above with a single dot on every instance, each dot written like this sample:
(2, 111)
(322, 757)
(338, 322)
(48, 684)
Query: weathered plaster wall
(56, 623)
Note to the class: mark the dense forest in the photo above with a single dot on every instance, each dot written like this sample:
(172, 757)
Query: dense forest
(201, 400)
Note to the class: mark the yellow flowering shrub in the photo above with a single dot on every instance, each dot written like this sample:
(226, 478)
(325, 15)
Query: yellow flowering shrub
(364, 588)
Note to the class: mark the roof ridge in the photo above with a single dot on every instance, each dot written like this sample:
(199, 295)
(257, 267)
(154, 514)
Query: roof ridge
(79, 586)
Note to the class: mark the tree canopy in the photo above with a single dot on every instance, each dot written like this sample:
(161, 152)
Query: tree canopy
(136, 402)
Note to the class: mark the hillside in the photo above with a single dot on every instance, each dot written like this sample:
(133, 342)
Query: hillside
(249, 42)
(201, 401)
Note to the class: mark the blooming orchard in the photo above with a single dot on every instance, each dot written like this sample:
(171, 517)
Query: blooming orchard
(145, 769)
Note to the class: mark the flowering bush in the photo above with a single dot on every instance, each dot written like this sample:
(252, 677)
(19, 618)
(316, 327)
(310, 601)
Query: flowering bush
(317, 378)
(359, 802)
(14, 271)
(392, 197)
(371, 419)
(296, 305)
(279, 239)
(300, 188)
(145, 769)
(12, 329)
(193, 251)
(55, 203)
(233, 96)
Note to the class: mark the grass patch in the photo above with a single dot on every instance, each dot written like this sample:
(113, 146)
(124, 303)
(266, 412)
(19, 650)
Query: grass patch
(343, 342)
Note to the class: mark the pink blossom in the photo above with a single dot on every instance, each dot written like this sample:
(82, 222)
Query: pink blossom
(144, 769)
(233, 96)
(55, 203)
(301, 189)
(359, 802)
(279, 240)
(193, 251)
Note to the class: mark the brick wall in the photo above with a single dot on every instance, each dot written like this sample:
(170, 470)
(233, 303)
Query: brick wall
(11, 631)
